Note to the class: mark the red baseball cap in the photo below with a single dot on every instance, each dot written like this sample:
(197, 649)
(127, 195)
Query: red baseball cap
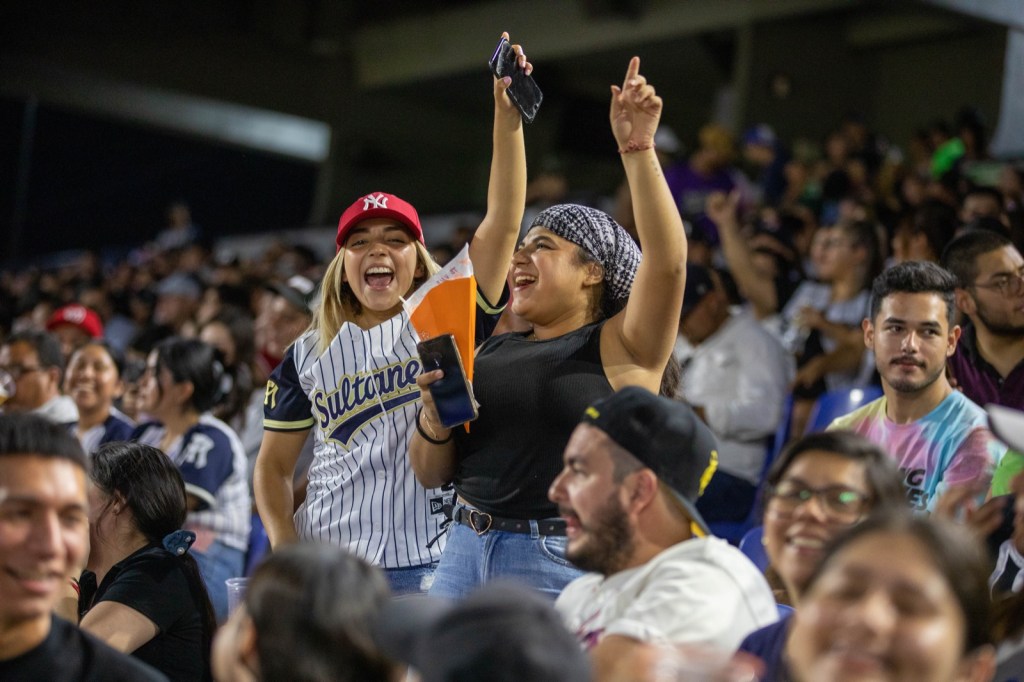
(379, 205)
(77, 316)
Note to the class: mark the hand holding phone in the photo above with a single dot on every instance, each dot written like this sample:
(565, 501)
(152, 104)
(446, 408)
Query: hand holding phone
(452, 393)
(523, 91)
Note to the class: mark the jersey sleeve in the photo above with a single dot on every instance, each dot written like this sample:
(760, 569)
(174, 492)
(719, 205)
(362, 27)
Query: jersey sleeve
(286, 406)
(487, 313)
(205, 463)
(155, 587)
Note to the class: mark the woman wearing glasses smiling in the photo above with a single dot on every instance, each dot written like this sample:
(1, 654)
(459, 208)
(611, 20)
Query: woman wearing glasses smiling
(819, 486)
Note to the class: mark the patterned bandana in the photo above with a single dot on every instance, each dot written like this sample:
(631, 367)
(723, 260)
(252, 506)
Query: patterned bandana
(600, 236)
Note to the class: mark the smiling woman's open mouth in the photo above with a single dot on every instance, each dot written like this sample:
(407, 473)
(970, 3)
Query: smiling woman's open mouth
(379, 277)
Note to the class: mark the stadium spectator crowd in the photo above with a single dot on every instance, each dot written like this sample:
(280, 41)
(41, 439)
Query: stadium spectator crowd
(163, 407)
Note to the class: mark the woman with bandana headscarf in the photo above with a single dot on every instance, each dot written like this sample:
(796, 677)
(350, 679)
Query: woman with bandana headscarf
(601, 319)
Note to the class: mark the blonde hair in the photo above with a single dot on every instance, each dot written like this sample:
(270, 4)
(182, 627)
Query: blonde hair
(338, 303)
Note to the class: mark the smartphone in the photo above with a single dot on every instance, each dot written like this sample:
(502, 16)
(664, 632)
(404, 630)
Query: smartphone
(452, 393)
(523, 91)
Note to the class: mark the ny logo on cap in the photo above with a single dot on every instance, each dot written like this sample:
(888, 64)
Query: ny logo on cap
(74, 314)
(375, 201)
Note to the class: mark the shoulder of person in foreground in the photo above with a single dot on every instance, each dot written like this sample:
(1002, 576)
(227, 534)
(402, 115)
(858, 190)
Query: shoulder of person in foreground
(701, 591)
(82, 656)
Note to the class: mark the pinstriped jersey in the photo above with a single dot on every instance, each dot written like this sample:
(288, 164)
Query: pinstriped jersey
(360, 398)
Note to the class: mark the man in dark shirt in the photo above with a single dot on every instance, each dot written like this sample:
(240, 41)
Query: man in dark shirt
(44, 530)
(989, 362)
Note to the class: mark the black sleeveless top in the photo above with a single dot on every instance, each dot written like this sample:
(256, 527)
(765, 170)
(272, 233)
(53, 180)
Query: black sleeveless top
(532, 395)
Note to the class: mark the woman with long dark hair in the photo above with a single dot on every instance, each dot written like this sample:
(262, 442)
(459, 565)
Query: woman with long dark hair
(184, 380)
(142, 592)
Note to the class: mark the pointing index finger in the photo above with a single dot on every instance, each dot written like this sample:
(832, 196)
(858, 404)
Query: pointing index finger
(631, 71)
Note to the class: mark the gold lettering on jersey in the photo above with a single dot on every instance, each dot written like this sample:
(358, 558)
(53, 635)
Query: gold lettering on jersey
(270, 397)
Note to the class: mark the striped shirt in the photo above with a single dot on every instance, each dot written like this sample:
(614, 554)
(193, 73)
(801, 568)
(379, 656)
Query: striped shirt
(361, 398)
(212, 462)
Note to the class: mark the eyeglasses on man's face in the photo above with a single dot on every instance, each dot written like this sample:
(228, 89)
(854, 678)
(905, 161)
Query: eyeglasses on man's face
(1007, 284)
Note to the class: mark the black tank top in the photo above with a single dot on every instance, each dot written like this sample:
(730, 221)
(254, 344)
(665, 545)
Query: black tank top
(532, 395)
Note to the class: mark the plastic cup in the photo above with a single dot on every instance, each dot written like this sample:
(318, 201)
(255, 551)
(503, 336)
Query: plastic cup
(7, 386)
(236, 592)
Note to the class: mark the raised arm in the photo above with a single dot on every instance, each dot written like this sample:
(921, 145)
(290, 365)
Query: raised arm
(846, 357)
(637, 342)
(720, 208)
(494, 241)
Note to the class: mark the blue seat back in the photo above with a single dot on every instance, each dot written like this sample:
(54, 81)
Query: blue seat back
(753, 546)
(837, 403)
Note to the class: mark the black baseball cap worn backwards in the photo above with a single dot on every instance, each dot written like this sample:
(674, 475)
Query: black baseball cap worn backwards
(666, 436)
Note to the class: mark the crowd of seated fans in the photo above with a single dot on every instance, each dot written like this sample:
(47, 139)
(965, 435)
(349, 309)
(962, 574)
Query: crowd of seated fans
(811, 271)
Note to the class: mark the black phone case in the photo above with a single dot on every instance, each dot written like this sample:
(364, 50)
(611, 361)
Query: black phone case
(523, 90)
(452, 394)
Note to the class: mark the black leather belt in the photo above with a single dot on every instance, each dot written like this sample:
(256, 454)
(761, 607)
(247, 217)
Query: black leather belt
(481, 522)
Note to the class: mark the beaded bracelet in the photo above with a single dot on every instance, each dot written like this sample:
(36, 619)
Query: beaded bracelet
(426, 437)
(636, 147)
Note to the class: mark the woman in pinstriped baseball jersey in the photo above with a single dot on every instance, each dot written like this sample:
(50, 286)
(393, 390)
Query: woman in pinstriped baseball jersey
(602, 319)
(352, 377)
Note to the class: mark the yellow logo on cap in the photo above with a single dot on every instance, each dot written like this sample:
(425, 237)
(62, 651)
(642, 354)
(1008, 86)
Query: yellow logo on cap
(705, 478)
(592, 413)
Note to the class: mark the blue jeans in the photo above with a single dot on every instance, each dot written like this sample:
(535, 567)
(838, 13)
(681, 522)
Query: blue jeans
(411, 579)
(470, 560)
(217, 564)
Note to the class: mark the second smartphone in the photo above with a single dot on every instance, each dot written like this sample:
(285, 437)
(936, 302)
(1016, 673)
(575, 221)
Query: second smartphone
(452, 393)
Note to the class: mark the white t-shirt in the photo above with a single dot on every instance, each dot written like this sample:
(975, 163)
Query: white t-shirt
(740, 376)
(701, 591)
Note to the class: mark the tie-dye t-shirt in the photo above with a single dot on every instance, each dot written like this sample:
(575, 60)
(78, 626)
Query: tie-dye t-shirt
(948, 446)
